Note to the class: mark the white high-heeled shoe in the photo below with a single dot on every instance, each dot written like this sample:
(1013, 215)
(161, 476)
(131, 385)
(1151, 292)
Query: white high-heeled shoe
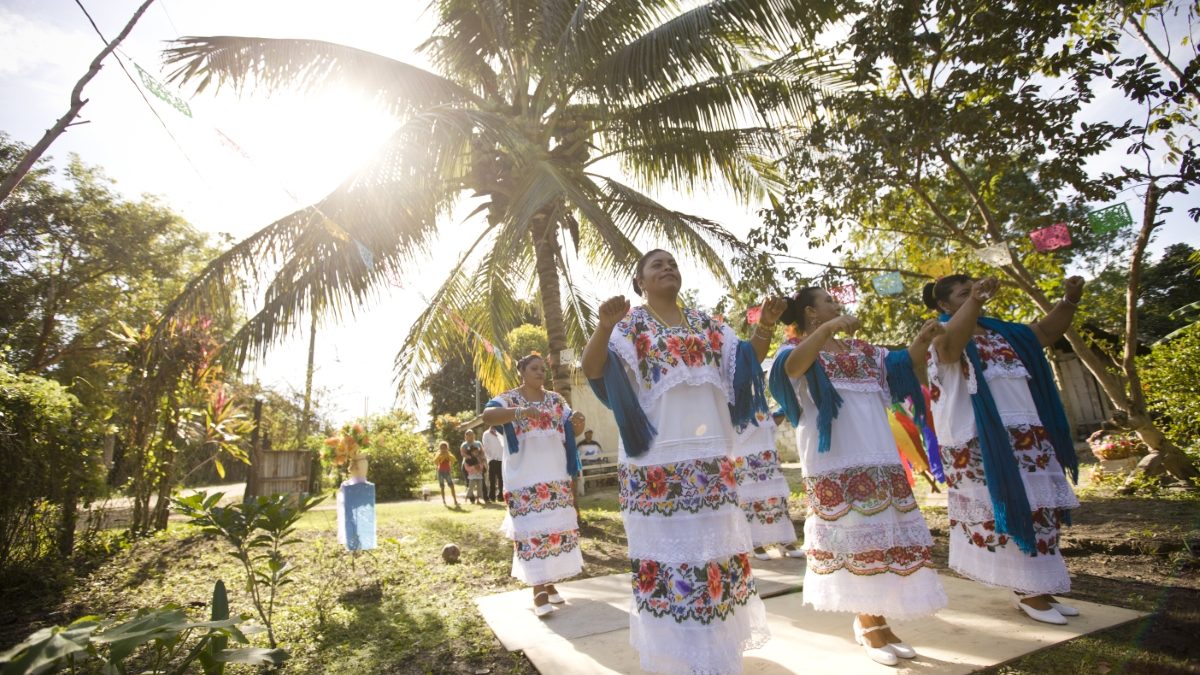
(901, 649)
(761, 554)
(543, 609)
(1044, 615)
(881, 655)
(791, 552)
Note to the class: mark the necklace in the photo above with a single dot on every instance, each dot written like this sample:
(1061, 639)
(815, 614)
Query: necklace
(682, 314)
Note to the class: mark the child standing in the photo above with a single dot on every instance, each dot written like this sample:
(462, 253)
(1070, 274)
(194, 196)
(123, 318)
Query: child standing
(443, 459)
(474, 470)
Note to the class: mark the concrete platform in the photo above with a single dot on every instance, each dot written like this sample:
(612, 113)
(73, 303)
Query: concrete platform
(590, 634)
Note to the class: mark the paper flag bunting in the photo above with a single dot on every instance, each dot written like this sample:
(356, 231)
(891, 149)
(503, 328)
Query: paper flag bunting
(753, 315)
(230, 143)
(368, 258)
(846, 294)
(888, 283)
(1110, 219)
(158, 89)
(491, 349)
(937, 268)
(1050, 238)
(996, 255)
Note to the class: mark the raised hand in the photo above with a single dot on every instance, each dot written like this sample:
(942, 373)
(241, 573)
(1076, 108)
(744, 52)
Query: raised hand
(930, 331)
(984, 289)
(612, 311)
(772, 309)
(846, 323)
(1073, 289)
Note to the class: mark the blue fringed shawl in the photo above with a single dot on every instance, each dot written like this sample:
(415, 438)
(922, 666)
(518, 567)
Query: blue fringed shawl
(1010, 504)
(824, 394)
(637, 433)
(1042, 388)
(903, 384)
(572, 452)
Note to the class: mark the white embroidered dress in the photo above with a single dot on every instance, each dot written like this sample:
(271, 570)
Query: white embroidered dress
(867, 544)
(976, 550)
(695, 608)
(762, 489)
(541, 519)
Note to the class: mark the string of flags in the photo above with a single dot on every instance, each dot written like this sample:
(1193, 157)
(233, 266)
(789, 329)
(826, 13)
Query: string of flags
(487, 344)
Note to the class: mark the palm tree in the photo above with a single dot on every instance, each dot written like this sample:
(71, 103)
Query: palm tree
(532, 99)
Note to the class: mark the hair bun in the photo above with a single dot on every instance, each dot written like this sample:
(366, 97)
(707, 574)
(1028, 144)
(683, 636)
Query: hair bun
(789, 315)
(927, 296)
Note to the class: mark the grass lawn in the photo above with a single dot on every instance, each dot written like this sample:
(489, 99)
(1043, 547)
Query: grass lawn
(401, 609)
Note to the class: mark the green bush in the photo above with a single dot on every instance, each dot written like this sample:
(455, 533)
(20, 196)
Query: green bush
(400, 461)
(1169, 376)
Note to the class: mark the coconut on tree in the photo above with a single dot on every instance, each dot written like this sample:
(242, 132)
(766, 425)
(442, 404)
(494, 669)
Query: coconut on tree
(552, 119)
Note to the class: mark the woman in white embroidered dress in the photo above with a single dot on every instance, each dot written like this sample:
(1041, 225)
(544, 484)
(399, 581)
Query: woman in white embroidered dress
(541, 520)
(977, 550)
(695, 608)
(763, 491)
(868, 547)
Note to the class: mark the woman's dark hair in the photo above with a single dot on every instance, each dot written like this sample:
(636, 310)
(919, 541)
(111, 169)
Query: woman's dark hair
(939, 291)
(637, 271)
(526, 360)
(804, 298)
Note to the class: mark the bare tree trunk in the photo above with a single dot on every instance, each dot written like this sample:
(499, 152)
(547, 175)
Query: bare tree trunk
(12, 180)
(545, 247)
(302, 433)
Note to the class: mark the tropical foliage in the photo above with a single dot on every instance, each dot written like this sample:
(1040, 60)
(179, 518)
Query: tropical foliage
(546, 118)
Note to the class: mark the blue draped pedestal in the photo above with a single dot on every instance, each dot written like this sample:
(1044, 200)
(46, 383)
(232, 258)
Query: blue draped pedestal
(356, 515)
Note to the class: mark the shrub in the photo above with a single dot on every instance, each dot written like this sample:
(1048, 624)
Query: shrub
(1169, 376)
(400, 460)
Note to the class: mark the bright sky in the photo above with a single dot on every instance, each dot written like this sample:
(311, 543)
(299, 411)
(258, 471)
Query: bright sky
(299, 149)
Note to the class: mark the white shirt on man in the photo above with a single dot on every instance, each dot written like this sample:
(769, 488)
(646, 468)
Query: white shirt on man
(494, 446)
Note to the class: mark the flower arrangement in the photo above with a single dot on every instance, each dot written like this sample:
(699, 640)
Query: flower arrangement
(1118, 446)
(347, 447)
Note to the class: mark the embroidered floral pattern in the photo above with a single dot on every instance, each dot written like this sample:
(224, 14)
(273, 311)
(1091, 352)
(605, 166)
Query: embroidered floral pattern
(1046, 524)
(757, 467)
(548, 413)
(1031, 445)
(901, 560)
(689, 486)
(860, 364)
(766, 511)
(546, 545)
(996, 352)
(865, 489)
(539, 497)
(692, 593)
(659, 348)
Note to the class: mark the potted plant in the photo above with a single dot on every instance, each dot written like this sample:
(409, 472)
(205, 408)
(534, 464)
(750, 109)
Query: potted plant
(349, 450)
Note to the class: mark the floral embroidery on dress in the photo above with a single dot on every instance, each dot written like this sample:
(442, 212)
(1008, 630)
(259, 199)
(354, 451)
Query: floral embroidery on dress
(659, 348)
(539, 497)
(692, 593)
(997, 354)
(766, 511)
(865, 489)
(1046, 524)
(901, 560)
(1031, 445)
(689, 486)
(543, 415)
(546, 545)
(757, 467)
(860, 364)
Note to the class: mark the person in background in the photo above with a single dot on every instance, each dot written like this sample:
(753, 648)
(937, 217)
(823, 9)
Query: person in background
(494, 448)
(470, 448)
(589, 448)
(474, 470)
(542, 459)
(443, 459)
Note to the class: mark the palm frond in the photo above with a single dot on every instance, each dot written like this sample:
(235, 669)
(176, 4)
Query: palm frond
(687, 158)
(275, 64)
(704, 41)
(693, 236)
